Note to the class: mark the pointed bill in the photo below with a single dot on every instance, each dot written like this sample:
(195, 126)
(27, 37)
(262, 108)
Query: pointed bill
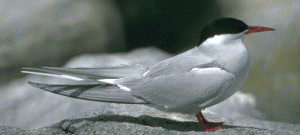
(254, 29)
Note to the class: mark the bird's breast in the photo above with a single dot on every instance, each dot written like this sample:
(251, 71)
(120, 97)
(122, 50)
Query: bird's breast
(238, 64)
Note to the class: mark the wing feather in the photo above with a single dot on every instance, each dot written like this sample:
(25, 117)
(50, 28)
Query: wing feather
(181, 63)
(89, 73)
(196, 87)
(94, 92)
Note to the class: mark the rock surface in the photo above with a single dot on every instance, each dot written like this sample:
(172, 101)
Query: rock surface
(140, 119)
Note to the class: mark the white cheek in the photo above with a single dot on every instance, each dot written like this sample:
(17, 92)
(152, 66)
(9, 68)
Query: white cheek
(214, 40)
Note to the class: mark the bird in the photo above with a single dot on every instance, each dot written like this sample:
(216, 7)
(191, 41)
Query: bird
(187, 83)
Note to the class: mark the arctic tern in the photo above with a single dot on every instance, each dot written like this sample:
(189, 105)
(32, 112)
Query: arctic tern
(186, 83)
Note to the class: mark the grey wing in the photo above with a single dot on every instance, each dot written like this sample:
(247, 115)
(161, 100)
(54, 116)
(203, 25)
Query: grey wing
(89, 73)
(198, 86)
(94, 92)
(182, 63)
(94, 89)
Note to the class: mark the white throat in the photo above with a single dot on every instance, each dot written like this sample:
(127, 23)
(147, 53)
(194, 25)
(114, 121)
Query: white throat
(228, 50)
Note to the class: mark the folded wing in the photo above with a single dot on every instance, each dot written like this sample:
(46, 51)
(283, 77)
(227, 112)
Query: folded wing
(200, 86)
(79, 74)
(93, 92)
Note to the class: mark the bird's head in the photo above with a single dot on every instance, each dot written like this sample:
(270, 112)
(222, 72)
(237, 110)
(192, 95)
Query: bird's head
(229, 26)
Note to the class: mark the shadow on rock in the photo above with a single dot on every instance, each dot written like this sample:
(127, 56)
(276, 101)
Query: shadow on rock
(146, 121)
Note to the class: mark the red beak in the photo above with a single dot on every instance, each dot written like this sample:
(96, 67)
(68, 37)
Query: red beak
(254, 29)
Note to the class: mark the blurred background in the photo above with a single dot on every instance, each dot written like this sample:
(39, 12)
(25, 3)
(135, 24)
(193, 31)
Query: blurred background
(96, 33)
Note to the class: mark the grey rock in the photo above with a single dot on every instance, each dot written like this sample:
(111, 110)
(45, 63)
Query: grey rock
(140, 119)
(11, 130)
(49, 32)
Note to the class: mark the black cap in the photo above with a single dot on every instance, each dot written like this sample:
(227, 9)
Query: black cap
(222, 26)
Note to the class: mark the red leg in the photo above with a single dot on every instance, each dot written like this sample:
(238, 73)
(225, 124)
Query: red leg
(212, 126)
(207, 122)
